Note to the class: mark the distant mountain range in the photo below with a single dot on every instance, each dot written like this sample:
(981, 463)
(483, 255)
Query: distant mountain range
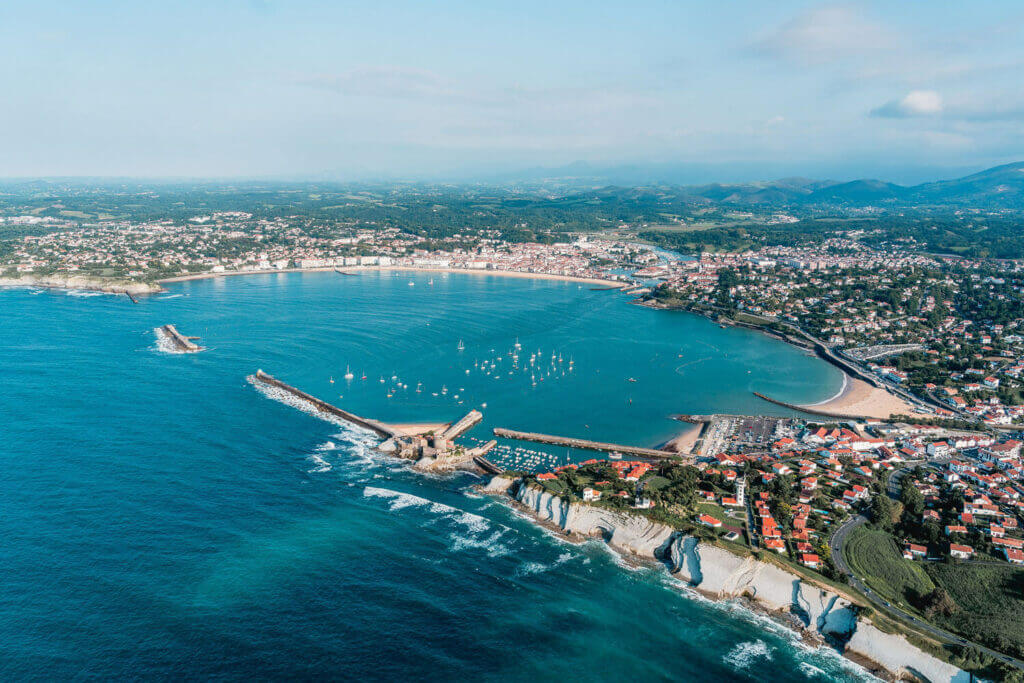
(1001, 187)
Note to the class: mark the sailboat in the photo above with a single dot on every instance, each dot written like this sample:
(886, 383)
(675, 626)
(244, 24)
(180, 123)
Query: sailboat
(348, 373)
(331, 380)
(461, 347)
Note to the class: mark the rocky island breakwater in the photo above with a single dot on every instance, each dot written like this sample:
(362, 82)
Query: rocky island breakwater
(816, 611)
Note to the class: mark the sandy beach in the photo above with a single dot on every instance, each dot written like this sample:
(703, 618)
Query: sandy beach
(685, 442)
(860, 398)
(355, 270)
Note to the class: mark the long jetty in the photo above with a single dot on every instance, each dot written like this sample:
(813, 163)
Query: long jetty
(486, 465)
(180, 341)
(379, 428)
(583, 444)
(471, 419)
(810, 409)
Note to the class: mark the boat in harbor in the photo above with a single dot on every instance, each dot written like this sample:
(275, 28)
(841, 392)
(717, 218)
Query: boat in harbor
(348, 373)
(461, 346)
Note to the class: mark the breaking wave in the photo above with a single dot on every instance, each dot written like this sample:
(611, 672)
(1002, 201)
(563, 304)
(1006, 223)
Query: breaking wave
(530, 568)
(321, 465)
(163, 342)
(745, 654)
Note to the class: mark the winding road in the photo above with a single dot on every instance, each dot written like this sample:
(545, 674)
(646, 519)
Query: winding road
(836, 548)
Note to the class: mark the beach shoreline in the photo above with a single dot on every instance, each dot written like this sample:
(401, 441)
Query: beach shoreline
(355, 270)
(857, 397)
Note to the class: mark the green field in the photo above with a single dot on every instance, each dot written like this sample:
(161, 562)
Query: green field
(989, 603)
(874, 557)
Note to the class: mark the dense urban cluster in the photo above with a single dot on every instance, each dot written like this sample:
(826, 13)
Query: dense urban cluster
(226, 242)
(934, 514)
(950, 331)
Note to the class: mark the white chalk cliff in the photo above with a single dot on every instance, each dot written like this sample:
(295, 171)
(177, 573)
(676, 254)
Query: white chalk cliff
(720, 574)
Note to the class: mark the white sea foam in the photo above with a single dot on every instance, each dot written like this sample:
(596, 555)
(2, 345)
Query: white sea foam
(398, 499)
(810, 670)
(321, 465)
(83, 293)
(350, 432)
(745, 654)
(489, 544)
(528, 568)
(171, 296)
(163, 342)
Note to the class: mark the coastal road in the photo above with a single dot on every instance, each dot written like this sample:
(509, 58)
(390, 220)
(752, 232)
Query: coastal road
(882, 605)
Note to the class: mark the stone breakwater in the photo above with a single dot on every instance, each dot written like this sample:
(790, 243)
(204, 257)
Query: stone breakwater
(718, 574)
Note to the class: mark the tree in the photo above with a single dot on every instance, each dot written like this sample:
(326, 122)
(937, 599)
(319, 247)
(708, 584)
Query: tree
(913, 501)
(881, 512)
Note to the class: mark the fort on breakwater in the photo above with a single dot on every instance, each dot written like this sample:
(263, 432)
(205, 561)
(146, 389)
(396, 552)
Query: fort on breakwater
(432, 449)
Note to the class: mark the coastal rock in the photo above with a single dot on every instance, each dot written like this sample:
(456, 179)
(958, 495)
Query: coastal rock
(898, 655)
(498, 485)
(721, 574)
(79, 282)
(632, 534)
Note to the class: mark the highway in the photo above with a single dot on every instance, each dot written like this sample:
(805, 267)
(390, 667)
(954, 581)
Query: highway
(884, 606)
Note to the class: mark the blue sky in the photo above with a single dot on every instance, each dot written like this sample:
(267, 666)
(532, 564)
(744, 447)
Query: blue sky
(249, 88)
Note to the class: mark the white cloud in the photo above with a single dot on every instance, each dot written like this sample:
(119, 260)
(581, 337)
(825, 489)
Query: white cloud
(825, 34)
(915, 103)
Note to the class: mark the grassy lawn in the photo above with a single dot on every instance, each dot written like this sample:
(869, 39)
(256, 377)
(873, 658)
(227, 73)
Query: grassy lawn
(990, 603)
(554, 485)
(655, 483)
(874, 557)
(713, 510)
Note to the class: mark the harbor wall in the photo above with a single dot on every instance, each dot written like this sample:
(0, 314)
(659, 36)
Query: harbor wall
(180, 341)
(583, 444)
(373, 425)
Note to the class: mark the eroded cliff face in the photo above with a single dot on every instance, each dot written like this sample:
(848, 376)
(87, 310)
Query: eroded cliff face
(720, 574)
(632, 534)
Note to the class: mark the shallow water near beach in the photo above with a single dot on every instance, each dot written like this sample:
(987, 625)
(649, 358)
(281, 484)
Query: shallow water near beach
(162, 517)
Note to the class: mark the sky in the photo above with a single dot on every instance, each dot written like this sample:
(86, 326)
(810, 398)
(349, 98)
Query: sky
(740, 90)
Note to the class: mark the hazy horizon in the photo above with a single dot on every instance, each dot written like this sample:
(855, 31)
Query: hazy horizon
(456, 91)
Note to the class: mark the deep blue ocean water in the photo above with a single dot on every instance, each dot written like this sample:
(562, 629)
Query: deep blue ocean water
(162, 518)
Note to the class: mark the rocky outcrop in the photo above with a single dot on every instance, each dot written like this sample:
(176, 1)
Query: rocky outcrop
(631, 534)
(498, 485)
(720, 574)
(80, 282)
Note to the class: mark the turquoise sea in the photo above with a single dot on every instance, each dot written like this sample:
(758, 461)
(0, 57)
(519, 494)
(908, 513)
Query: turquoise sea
(162, 518)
